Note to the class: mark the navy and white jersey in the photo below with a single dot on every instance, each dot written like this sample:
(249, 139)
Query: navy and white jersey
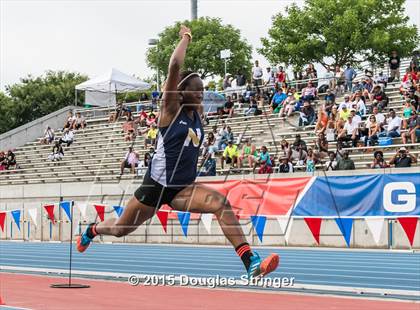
(176, 157)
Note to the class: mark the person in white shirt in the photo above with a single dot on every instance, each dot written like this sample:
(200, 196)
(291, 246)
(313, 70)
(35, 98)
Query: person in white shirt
(359, 105)
(49, 136)
(79, 121)
(130, 160)
(68, 137)
(257, 74)
(346, 103)
(269, 77)
(393, 129)
(356, 118)
(380, 118)
(350, 132)
(331, 164)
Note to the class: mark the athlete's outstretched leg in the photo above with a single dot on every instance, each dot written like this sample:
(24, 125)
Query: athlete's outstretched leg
(201, 199)
(135, 213)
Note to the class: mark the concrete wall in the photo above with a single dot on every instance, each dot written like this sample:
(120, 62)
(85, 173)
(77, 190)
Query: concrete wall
(29, 196)
(32, 131)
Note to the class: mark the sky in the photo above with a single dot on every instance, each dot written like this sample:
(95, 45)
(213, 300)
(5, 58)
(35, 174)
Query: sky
(92, 36)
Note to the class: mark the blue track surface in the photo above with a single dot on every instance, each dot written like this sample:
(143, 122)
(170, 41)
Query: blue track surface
(383, 270)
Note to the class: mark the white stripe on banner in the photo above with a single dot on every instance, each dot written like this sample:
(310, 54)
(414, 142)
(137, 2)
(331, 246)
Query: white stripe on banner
(285, 224)
(375, 225)
(33, 213)
(82, 208)
(207, 218)
(301, 195)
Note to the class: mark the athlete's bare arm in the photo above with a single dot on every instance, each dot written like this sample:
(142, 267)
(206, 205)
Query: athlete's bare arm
(170, 100)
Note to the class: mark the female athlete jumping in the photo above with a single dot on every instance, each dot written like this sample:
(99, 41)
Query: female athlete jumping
(172, 172)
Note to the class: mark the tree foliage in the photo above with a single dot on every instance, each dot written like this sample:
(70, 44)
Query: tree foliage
(346, 31)
(35, 97)
(203, 56)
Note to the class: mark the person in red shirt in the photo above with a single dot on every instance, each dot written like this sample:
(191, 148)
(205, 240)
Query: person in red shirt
(281, 75)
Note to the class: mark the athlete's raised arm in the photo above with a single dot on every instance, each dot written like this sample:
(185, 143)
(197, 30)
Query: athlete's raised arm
(170, 100)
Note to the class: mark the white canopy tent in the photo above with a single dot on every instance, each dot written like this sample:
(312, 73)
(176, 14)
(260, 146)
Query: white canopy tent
(107, 85)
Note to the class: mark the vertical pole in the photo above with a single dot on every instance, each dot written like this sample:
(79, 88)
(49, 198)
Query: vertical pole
(390, 245)
(71, 239)
(193, 9)
(225, 67)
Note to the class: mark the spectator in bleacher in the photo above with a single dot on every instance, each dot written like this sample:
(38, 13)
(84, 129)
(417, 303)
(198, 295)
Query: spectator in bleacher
(129, 129)
(344, 112)
(281, 76)
(285, 149)
(141, 118)
(367, 84)
(322, 122)
(414, 95)
(410, 75)
(57, 152)
(356, 117)
(151, 152)
(3, 161)
(209, 144)
(408, 109)
(394, 65)
(327, 81)
(131, 161)
(357, 86)
(257, 75)
(349, 75)
(151, 136)
(228, 107)
(378, 161)
(350, 132)
(248, 154)
(49, 136)
(307, 115)
(146, 161)
(285, 165)
(393, 129)
(345, 163)
(310, 72)
(379, 98)
(379, 117)
(413, 131)
(381, 80)
(299, 155)
(263, 160)
(321, 146)
(359, 105)
(79, 122)
(69, 121)
(230, 155)
(240, 79)
(209, 167)
(309, 93)
(269, 77)
(338, 82)
(11, 160)
(408, 85)
(299, 142)
(151, 119)
(277, 101)
(288, 105)
(334, 118)
(331, 163)
(329, 101)
(373, 131)
(144, 97)
(67, 138)
(403, 159)
(226, 82)
(311, 161)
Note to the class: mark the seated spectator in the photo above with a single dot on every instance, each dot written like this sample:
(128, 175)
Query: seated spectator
(248, 154)
(151, 152)
(379, 98)
(379, 117)
(144, 164)
(346, 103)
(382, 80)
(69, 123)
(226, 82)
(373, 132)
(286, 150)
(356, 118)
(299, 155)
(3, 161)
(413, 131)
(129, 129)
(350, 132)
(209, 144)
(57, 152)
(309, 93)
(344, 113)
(79, 122)
(299, 142)
(322, 123)
(230, 154)
(393, 129)
(345, 163)
(253, 107)
(209, 167)
(402, 159)
(321, 146)
(408, 109)
(226, 138)
(151, 136)
(378, 161)
(67, 138)
(359, 105)
(49, 136)
(331, 163)
(227, 108)
(142, 117)
(131, 161)
(356, 86)
(115, 115)
(151, 119)
(285, 166)
(329, 101)
(11, 160)
(288, 105)
(277, 101)
(307, 115)
(311, 161)
(263, 160)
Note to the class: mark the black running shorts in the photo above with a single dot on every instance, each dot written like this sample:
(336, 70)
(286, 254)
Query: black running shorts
(153, 194)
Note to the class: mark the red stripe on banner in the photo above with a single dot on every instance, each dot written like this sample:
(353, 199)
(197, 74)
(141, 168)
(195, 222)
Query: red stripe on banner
(100, 209)
(314, 224)
(50, 212)
(2, 219)
(409, 224)
(163, 218)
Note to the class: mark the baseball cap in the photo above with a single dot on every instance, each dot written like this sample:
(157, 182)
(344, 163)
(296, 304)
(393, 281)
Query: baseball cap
(402, 149)
(352, 110)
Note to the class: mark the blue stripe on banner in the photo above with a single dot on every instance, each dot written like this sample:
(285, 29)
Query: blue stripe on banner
(362, 195)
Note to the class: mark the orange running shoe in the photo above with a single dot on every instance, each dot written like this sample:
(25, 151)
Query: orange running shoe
(260, 267)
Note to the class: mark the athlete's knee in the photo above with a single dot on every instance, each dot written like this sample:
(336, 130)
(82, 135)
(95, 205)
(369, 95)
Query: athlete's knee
(121, 231)
(222, 206)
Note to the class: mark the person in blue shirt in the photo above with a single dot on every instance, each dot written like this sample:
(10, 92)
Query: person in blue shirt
(349, 75)
(264, 161)
(277, 101)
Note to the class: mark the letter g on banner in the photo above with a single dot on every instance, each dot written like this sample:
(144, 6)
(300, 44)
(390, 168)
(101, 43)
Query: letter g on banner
(404, 202)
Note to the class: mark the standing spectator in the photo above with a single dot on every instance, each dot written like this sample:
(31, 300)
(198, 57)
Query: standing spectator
(230, 154)
(327, 82)
(226, 82)
(331, 164)
(339, 79)
(413, 131)
(248, 153)
(281, 76)
(349, 75)
(257, 74)
(378, 161)
(394, 65)
(79, 122)
(57, 152)
(307, 115)
(240, 79)
(264, 161)
(49, 136)
(130, 161)
(285, 166)
(67, 137)
(345, 163)
(394, 126)
(269, 77)
(402, 159)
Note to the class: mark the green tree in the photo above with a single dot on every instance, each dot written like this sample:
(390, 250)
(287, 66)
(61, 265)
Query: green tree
(35, 97)
(346, 31)
(203, 55)
(6, 119)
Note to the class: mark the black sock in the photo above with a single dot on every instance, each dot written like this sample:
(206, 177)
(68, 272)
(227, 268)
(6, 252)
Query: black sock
(91, 231)
(244, 252)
